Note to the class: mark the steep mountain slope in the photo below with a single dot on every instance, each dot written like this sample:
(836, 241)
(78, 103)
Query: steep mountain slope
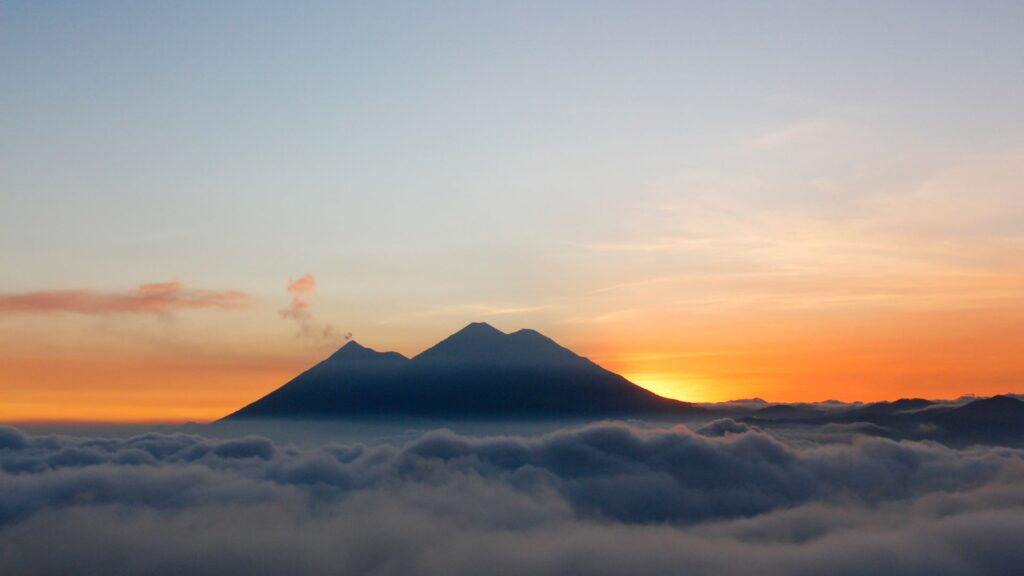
(478, 372)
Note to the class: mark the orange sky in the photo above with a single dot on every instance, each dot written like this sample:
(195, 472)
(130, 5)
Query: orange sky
(780, 357)
(860, 357)
(915, 293)
(118, 389)
(888, 289)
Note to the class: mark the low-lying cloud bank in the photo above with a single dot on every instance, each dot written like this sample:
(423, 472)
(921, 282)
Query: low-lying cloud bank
(603, 499)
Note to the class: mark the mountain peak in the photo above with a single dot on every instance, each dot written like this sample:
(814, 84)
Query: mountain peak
(529, 335)
(481, 343)
(353, 351)
(997, 403)
(350, 347)
(479, 329)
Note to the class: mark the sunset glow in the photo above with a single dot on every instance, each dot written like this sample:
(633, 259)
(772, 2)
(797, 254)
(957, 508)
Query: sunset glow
(831, 218)
(569, 287)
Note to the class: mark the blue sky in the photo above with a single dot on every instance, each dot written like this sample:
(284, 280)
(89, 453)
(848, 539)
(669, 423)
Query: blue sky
(433, 163)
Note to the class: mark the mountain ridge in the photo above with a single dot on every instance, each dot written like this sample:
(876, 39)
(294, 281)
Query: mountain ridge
(477, 372)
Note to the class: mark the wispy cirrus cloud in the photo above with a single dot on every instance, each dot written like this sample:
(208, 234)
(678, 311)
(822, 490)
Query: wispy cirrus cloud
(802, 132)
(160, 298)
(949, 239)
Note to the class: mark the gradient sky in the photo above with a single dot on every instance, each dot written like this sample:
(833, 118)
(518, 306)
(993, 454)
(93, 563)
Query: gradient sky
(798, 201)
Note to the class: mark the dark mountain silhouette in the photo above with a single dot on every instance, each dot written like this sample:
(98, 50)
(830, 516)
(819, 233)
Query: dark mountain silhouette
(476, 373)
(896, 407)
(789, 411)
(996, 420)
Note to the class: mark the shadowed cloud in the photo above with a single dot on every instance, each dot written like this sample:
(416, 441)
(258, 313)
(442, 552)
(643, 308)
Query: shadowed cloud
(602, 499)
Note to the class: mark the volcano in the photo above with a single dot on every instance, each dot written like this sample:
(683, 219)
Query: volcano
(479, 372)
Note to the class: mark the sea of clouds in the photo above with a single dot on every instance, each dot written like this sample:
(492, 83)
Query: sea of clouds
(607, 498)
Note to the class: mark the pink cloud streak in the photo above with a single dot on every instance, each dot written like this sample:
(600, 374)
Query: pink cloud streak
(305, 284)
(300, 289)
(158, 298)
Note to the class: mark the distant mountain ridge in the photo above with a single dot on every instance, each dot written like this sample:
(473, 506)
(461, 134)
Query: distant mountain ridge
(997, 420)
(476, 373)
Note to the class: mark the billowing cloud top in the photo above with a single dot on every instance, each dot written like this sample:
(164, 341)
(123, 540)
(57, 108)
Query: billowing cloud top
(305, 284)
(602, 499)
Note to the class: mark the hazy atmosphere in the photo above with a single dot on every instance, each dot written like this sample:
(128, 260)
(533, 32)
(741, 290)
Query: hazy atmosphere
(511, 287)
(798, 201)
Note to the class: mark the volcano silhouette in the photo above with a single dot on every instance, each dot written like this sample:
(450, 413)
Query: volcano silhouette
(477, 373)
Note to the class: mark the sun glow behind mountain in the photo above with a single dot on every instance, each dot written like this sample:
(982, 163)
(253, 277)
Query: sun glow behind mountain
(669, 385)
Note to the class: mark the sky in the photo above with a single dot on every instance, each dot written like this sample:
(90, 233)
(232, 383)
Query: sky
(797, 201)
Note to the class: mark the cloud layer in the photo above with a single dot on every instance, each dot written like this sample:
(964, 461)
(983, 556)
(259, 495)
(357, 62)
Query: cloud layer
(604, 499)
(158, 298)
